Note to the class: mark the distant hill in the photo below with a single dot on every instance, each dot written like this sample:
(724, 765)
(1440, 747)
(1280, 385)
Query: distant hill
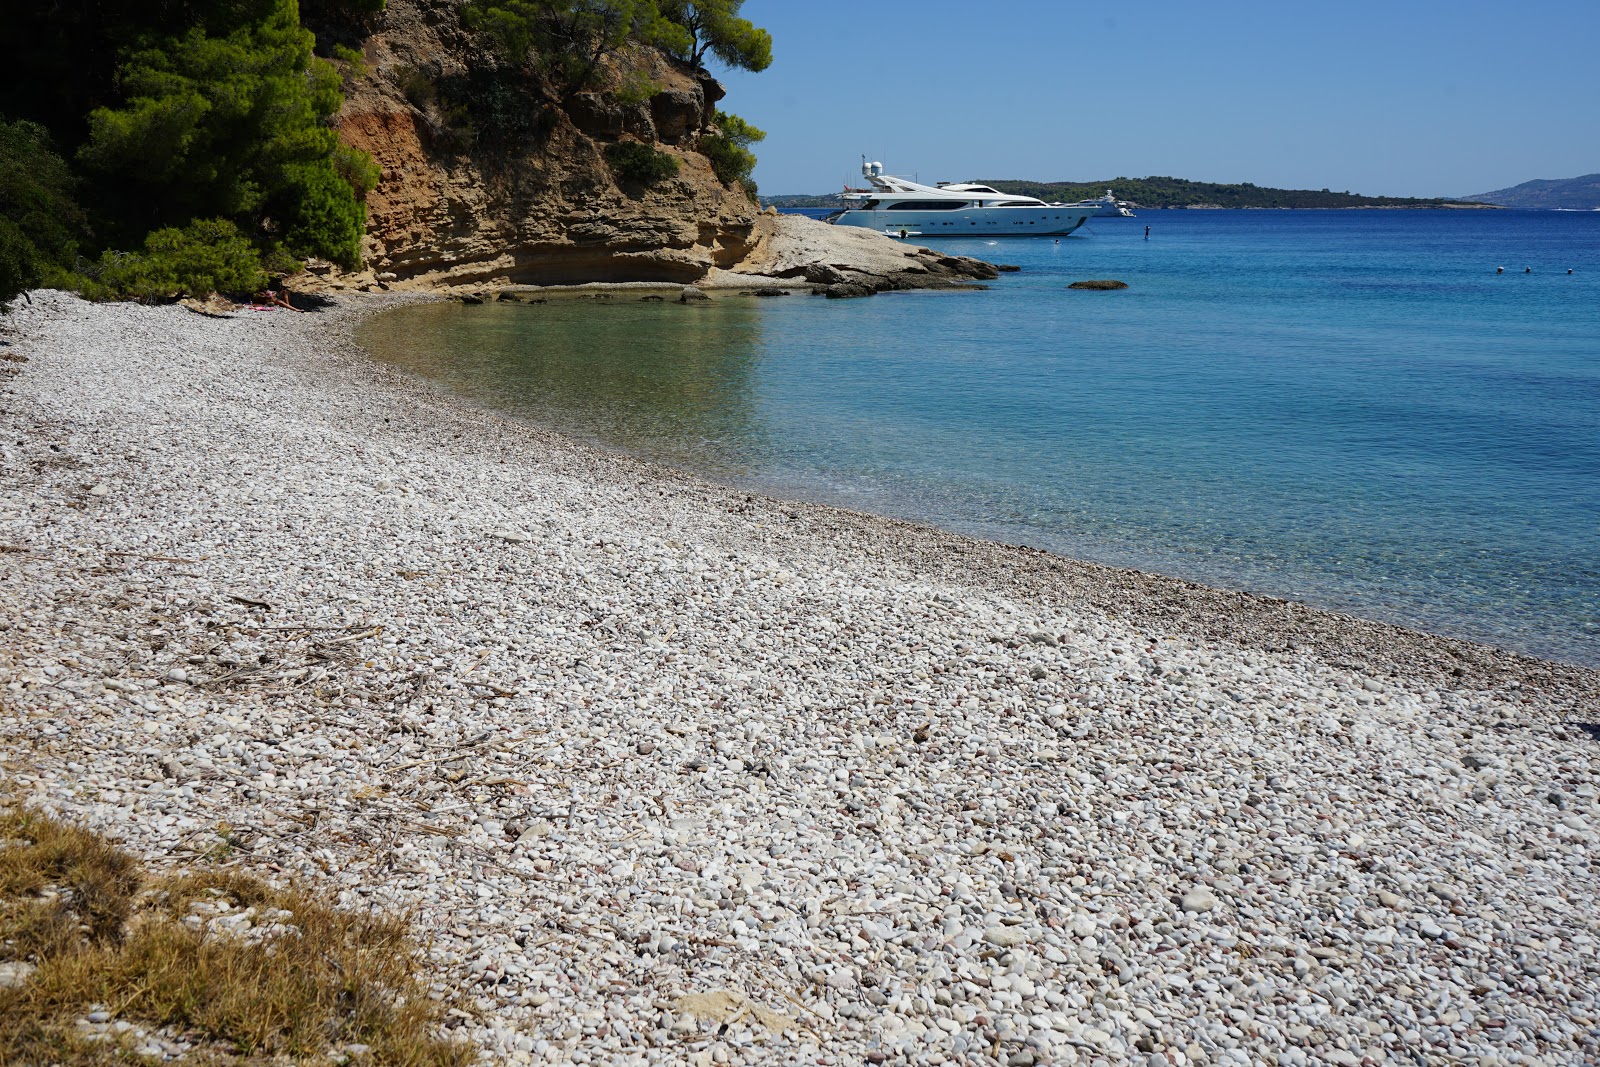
(1163, 192)
(1573, 194)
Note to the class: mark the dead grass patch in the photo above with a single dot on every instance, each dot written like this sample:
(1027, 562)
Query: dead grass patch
(299, 980)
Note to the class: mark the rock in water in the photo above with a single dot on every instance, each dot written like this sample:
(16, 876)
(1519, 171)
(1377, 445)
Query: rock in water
(848, 291)
(1101, 283)
(691, 295)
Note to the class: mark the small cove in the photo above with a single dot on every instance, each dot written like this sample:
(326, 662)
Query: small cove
(1346, 408)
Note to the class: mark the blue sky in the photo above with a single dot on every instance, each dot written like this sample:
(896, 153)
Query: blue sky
(1399, 98)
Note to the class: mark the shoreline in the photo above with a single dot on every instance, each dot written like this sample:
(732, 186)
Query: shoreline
(626, 738)
(1201, 610)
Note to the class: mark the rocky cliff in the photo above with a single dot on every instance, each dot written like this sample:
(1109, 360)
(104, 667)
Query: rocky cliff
(491, 177)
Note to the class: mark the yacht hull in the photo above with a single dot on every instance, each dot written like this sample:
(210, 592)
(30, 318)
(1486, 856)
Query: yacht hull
(1048, 221)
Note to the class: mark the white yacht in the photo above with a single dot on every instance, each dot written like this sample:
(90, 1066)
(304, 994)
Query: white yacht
(953, 209)
(1108, 207)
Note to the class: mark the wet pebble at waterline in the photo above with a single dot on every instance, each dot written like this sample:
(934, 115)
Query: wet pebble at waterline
(672, 779)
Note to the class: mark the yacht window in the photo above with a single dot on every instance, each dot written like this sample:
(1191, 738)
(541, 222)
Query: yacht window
(981, 189)
(870, 204)
(927, 205)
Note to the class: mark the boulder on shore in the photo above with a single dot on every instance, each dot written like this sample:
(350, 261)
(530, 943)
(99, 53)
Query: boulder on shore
(795, 249)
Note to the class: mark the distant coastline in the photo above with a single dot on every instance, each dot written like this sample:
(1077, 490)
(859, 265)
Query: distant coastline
(1166, 193)
(1548, 194)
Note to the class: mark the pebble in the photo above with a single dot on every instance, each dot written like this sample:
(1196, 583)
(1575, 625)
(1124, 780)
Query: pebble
(903, 780)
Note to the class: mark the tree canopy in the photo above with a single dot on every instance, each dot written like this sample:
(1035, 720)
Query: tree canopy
(715, 26)
(567, 39)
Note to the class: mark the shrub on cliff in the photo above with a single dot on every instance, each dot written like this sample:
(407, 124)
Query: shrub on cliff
(565, 40)
(638, 163)
(39, 221)
(728, 148)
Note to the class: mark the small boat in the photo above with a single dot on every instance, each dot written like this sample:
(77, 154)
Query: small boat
(1108, 207)
(902, 234)
(960, 209)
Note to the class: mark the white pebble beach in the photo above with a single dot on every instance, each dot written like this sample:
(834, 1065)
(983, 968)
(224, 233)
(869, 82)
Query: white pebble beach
(668, 772)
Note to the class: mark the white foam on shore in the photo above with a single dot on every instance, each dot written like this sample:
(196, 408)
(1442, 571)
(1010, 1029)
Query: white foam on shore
(650, 755)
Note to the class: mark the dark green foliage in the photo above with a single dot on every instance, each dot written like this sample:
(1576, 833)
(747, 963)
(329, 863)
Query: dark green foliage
(637, 88)
(417, 86)
(231, 126)
(207, 255)
(565, 40)
(62, 56)
(715, 26)
(40, 224)
(495, 108)
(184, 110)
(344, 20)
(355, 63)
(728, 148)
(634, 162)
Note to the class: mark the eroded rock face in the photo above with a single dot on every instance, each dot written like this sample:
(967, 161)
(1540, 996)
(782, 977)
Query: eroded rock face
(484, 183)
(463, 200)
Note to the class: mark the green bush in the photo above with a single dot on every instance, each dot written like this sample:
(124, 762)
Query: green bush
(728, 149)
(637, 163)
(637, 88)
(566, 40)
(207, 256)
(355, 63)
(40, 223)
(417, 87)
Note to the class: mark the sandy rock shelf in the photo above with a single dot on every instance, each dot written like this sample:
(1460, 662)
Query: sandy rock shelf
(680, 775)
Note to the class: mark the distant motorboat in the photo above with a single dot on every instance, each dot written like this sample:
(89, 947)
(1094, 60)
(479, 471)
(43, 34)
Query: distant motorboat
(959, 209)
(1108, 207)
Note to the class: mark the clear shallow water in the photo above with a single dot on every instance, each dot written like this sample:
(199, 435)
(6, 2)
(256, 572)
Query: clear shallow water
(1345, 408)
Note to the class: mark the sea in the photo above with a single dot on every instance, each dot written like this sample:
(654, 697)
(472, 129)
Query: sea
(1352, 409)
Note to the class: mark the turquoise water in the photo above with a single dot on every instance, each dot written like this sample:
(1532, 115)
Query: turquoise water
(1346, 408)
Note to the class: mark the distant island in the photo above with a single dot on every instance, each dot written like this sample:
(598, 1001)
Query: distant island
(1162, 192)
(1548, 194)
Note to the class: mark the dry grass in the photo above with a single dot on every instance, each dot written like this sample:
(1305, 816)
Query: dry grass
(101, 931)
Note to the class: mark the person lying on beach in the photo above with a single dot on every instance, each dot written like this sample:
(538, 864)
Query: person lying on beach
(271, 298)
